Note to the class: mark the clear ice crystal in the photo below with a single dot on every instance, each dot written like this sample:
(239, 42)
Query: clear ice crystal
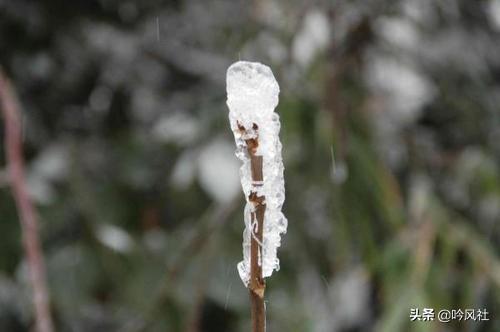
(252, 95)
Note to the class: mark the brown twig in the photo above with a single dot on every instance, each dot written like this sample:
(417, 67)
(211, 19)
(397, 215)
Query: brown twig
(257, 284)
(27, 214)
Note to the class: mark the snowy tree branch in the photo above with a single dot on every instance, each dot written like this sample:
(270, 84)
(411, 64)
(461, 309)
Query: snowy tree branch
(252, 95)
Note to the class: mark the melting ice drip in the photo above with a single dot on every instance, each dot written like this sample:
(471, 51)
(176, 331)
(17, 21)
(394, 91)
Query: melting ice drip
(252, 95)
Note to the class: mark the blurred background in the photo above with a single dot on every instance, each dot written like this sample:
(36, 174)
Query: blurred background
(390, 130)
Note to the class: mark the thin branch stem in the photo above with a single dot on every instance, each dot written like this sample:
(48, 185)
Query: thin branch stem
(257, 284)
(27, 213)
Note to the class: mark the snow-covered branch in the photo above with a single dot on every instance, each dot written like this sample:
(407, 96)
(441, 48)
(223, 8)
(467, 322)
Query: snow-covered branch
(252, 95)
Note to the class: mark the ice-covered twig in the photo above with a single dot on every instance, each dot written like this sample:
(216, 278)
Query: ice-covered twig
(252, 95)
(27, 213)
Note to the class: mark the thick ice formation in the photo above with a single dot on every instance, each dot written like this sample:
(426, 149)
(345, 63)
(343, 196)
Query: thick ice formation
(252, 95)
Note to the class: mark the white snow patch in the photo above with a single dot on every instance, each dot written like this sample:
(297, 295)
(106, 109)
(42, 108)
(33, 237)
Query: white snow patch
(114, 237)
(422, 12)
(494, 13)
(184, 170)
(218, 171)
(405, 90)
(178, 128)
(352, 289)
(40, 190)
(398, 32)
(50, 165)
(313, 37)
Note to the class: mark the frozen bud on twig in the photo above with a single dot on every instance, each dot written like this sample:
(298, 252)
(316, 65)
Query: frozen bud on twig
(252, 92)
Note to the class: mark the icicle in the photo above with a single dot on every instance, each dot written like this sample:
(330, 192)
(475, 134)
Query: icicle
(252, 95)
